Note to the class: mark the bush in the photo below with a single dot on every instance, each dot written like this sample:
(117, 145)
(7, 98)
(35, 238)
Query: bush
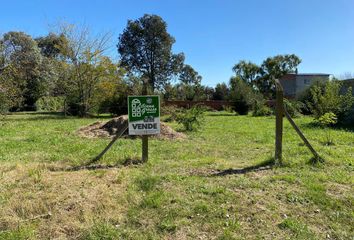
(243, 96)
(192, 118)
(327, 120)
(260, 109)
(118, 105)
(227, 108)
(50, 104)
(4, 103)
(241, 107)
(324, 98)
(170, 112)
(293, 107)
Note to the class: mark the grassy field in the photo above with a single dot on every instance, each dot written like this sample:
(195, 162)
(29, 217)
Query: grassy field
(214, 185)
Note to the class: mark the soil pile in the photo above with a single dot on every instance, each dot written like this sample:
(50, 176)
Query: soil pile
(109, 130)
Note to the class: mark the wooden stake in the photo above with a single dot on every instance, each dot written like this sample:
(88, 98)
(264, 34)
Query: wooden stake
(302, 136)
(279, 123)
(118, 135)
(145, 148)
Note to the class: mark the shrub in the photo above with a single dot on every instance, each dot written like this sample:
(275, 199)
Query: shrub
(170, 112)
(293, 107)
(325, 121)
(241, 107)
(243, 96)
(4, 103)
(118, 105)
(260, 109)
(325, 98)
(192, 118)
(50, 104)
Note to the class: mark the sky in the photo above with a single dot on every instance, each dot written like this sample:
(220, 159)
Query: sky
(213, 34)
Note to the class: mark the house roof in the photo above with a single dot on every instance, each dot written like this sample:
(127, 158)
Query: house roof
(310, 74)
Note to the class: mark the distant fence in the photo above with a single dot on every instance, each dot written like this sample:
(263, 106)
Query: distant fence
(214, 104)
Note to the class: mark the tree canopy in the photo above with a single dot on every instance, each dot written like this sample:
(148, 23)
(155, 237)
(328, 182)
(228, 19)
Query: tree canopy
(145, 48)
(262, 77)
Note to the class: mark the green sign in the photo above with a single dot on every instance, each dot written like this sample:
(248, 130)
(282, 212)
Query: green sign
(144, 115)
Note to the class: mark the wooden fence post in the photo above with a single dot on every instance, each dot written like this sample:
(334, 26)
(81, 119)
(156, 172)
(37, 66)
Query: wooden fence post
(279, 122)
(145, 138)
(145, 148)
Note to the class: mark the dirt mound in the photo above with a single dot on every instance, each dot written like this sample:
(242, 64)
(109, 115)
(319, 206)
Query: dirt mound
(109, 130)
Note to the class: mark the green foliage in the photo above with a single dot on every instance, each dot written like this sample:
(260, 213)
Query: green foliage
(50, 104)
(326, 97)
(327, 120)
(189, 76)
(145, 48)
(4, 103)
(191, 118)
(24, 65)
(260, 109)
(293, 107)
(247, 71)
(170, 113)
(228, 109)
(261, 77)
(243, 95)
(222, 92)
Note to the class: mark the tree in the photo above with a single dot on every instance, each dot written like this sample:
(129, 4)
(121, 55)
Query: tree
(24, 65)
(145, 48)
(52, 45)
(274, 68)
(222, 92)
(189, 76)
(247, 71)
(326, 97)
(87, 66)
(243, 95)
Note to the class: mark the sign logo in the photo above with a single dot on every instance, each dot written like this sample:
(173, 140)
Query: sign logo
(144, 115)
(136, 108)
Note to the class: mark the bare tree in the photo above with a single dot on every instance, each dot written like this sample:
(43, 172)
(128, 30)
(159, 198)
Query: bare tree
(84, 55)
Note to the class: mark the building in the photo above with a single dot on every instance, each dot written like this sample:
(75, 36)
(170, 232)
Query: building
(295, 84)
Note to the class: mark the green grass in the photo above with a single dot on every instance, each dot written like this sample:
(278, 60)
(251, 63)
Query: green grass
(206, 186)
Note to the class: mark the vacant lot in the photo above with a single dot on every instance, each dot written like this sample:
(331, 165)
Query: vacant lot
(214, 185)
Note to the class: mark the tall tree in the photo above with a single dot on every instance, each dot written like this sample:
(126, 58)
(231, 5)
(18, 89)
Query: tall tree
(222, 92)
(280, 65)
(84, 56)
(145, 48)
(189, 76)
(247, 71)
(23, 63)
(274, 68)
(52, 45)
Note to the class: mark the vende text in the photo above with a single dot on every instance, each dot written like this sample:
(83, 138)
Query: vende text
(145, 125)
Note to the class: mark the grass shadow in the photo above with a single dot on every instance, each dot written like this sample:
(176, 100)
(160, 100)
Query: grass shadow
(90, 166)
(265, 165)
(222, 115)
